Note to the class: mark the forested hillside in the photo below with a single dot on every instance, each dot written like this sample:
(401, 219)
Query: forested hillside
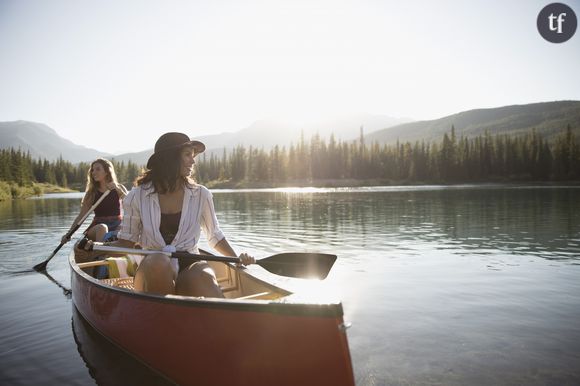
(549, 119)
(455, 159)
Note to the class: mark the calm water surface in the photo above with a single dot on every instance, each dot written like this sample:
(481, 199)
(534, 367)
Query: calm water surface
(443, 285)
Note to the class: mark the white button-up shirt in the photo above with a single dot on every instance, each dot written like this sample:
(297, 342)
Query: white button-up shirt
(142, 217)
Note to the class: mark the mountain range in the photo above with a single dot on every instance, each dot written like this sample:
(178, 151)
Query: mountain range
(44, 142)
(548, 118)
(268, 133)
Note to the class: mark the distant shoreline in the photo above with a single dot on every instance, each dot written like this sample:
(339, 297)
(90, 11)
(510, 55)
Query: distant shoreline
(352, 183)
(49, 188)
(12, 191)
(38, 189)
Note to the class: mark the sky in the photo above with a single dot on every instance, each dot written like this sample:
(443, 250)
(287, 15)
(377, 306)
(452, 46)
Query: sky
(114, 75)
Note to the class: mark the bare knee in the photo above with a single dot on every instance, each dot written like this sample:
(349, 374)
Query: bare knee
(98, 232)
(156, 262)
(155, 275)
(198, 280)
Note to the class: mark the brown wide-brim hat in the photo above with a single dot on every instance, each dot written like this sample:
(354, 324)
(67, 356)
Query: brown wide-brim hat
(173, 141)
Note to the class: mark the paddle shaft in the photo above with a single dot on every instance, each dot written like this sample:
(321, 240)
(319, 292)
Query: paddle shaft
(194, 256)
(42, 266)
(301, 265)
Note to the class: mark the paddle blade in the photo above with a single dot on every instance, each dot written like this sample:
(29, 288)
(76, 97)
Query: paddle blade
(40, 267)
(301, 265)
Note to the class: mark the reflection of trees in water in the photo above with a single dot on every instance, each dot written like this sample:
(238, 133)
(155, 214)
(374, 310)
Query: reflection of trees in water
(510, 218)
(507, 218)
(38, 213)
(31, 229)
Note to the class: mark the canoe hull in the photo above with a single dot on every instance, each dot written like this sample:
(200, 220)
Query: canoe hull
(220, 342)
(106, 362)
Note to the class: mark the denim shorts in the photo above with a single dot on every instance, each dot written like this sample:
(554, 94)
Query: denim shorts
(112, 223)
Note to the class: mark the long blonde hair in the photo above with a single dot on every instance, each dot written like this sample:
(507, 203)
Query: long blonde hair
(92, 186)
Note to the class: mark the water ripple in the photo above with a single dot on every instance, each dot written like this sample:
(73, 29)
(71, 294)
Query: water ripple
(445, 285)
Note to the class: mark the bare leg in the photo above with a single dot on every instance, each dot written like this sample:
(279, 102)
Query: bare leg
(97, 232)
(198, 280)
(155, 275)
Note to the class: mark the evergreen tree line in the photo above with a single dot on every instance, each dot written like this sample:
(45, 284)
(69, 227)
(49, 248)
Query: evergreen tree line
(503, 157)
(19, 167)
(484, 158)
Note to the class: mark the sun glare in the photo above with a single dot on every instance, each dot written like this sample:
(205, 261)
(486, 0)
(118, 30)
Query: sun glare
(315, 291)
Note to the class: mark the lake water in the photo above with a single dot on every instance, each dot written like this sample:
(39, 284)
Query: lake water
(463, 285)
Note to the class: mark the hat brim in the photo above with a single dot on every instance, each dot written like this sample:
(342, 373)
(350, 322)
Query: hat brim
(198, 148)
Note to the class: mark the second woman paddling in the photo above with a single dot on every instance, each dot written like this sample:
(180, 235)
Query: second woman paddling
(106, 223)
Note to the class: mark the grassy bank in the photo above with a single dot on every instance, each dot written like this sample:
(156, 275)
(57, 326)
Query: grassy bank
(11, 190)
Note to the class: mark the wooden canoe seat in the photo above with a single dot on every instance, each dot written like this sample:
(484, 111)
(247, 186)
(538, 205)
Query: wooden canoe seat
(121, 282)
(127, 283)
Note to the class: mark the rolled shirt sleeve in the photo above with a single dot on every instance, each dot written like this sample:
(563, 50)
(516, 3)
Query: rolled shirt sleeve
(209, 223)
(131, 225)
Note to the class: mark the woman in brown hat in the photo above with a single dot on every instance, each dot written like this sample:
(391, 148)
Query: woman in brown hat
(167, 211)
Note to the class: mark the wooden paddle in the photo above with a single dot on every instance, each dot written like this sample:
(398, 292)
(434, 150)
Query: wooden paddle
(301, 265)
(42, 266)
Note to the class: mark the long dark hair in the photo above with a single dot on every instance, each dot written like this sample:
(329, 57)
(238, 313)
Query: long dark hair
(165, 173)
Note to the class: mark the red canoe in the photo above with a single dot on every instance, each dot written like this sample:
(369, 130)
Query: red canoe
(260, 334)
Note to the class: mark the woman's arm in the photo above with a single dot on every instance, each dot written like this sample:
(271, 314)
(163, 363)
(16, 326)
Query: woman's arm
(85, 206)
(85, 254)
(209, 224)
(226, 249)
(120, 188)
(215, 236)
